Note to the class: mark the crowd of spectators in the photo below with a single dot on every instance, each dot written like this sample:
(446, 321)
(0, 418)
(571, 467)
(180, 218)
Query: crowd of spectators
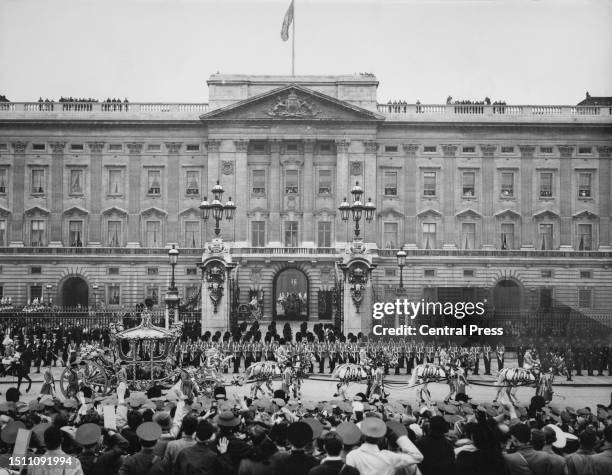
(151, 433)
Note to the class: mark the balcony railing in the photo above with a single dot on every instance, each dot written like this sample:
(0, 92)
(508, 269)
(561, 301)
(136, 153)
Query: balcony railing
(301, 251)
(495, 113)
(88, 110)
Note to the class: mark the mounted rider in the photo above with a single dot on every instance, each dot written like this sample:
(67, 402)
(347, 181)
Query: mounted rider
(531, 361)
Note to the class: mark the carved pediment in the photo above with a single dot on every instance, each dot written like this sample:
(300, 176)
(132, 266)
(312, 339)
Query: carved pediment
(4, 212)
(114, 211)
(292, 102)
(36, 210)
(325, 212)
(430, 213)
(508, 214)
(76, 211)
(546, 214)
(468, 214)
(585, 215)
(390, 212)
(153, 212)
(190, 212)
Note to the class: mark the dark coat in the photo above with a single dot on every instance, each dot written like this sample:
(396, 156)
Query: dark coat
(333, 467)
(438, 455)
(296, 462)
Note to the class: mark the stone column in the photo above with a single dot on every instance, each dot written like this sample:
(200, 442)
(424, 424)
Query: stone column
(274, 230)
(409, 195)
(175, 192)
(369, 183)
(605, 198)
(447, 195)
(489, 240)
(566, 196)
(212, 147)
(95, 201)
(19, 191)
(242, 189)
(133, 193)
(526, 184)
(309, 238)
(56, 193)
(342, 185)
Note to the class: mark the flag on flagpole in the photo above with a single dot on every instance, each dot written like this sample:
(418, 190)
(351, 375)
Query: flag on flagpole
(287, 22)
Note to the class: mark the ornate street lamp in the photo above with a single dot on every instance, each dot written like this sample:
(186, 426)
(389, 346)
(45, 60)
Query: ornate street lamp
(357, 209)
(401, 262)
(172, 298)
(217, 208)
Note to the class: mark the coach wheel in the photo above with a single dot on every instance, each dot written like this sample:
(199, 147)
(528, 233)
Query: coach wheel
(95, 378)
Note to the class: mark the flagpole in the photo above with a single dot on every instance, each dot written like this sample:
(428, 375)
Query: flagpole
(293, 42)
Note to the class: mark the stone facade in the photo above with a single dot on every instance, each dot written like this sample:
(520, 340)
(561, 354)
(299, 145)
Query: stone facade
(476, 196)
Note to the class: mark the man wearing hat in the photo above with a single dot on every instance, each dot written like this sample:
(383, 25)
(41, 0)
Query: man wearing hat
(297, 461)
(143, 462)
(525, 458)
(199, 458)
(370, 460)
(53, 441)
(188, 428)
(602, 462)
(438, 452)
(88, 436)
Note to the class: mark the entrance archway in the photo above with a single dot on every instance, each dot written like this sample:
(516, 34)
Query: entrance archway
(507, 297)
(75, 292)
(290, 295)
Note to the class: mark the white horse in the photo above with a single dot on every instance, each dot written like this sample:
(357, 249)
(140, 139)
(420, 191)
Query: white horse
(511, 378)
(262, 373)
(431, 373)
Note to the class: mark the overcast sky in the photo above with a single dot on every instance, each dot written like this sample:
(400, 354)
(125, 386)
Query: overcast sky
(521, 51)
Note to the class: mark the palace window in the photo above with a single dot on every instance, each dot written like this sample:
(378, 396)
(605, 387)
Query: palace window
(325, 182)
(152, 271)
(113, 271)
(38, 181)
(76, 182)
(546, 274)
(584, 185)
(153, 294)
(291, 181)
(36, 292)
(153, 147)
(192, 180)
(585, 150)
(507, 236)
(585, 298)
(469, 184)
(2, 233)
(113, 294)
(390, 235)
(259, 182)
(291, 234)
(429, 149)
(76, 147)
(115, 147)
(3, 181)
(585, 237)
(35, 270)
(586, 274)
(324, 234)
(193, 147)
(191, 271)
(429, 235)
(507, 184)
(391, 148)
(545, 237)
(546, 150)
(37, 233)
(468, 149)
(154, 182)
(258, 233)
(75, 233)
(390, 184)
(192, 234)
(153, 234)
(115, 182)
(546, 185)
(114, 234)
(39, 147)
(507, 149)
(429, 273)
(429, 183)
(468, 235)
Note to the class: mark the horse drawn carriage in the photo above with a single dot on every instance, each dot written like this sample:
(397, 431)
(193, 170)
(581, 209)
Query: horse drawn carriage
(144, 356)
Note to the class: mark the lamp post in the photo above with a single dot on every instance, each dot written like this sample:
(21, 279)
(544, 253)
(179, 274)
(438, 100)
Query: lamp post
(172, 297)
(357, 209)
(401, 262)
(217, 208)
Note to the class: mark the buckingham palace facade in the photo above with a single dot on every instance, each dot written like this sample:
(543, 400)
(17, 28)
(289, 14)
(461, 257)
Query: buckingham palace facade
(510, 204)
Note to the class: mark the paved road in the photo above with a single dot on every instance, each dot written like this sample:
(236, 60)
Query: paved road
(321, 388)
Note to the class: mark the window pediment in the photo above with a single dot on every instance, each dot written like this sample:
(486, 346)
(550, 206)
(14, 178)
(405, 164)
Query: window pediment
(36, 210)
(76, 211)
(430, 213)
(468, 214)
(585, 215)
(390, 212)
(546, 214)
(153, 212)
(115, 211)
(4, 213)
(508, 214)
(190, 212)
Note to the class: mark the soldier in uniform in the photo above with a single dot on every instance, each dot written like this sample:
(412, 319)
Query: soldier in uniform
(248, 352)
(475, 351)
(603, 359)
(578, 359)
(569, 362)
(237, 351)
(323, 353)
(486, 358)
(591, 357)
(499, 352)
(520, 353)
(37, 352)
(87, 436)
(409, 359)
